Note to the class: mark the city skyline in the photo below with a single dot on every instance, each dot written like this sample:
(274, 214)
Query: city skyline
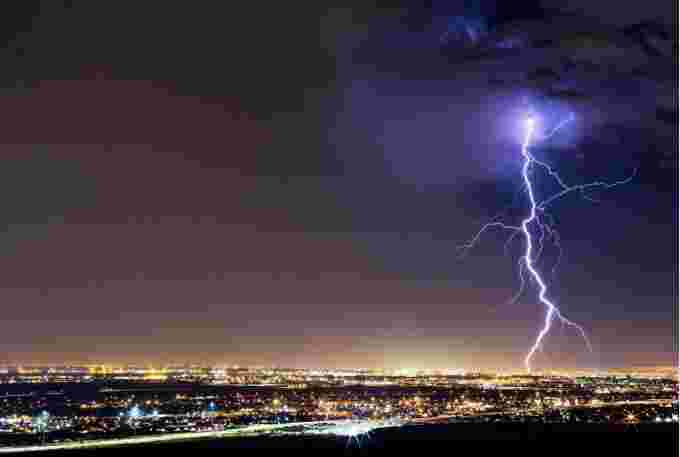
(36, 366)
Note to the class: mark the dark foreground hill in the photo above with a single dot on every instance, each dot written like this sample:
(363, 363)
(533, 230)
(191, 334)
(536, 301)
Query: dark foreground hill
(453, 439)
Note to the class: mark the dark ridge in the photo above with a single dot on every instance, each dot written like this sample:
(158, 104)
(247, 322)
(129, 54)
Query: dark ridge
(482, 439)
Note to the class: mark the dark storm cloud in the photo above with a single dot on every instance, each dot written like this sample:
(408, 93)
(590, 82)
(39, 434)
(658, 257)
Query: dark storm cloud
(619, 13)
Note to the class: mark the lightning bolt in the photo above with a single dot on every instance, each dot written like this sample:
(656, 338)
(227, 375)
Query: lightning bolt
(538, 220)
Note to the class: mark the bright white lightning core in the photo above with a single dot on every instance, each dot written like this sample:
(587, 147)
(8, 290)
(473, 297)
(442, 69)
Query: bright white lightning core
(539, 220)
(552, 310)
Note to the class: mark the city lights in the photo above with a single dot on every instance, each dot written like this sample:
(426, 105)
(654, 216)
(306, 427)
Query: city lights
(296, 401)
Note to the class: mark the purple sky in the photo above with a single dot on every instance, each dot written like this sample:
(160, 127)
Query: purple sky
(245, 207)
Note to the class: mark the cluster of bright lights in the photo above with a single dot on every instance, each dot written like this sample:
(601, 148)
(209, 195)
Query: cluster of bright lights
(352, 429)
(42, 420)
(357, 430)
(539, 219)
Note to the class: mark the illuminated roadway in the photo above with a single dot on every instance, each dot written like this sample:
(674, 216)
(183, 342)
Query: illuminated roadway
(244, 431)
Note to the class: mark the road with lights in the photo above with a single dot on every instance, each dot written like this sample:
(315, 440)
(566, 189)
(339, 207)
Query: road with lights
(336, 427)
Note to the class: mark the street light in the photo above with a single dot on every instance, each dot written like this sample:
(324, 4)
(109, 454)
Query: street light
(42, 423)
(134, 413)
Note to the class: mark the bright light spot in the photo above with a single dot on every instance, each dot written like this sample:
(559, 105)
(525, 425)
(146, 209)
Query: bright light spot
(352, 429)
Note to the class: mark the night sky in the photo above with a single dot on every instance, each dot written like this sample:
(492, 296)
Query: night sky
(269, 185)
